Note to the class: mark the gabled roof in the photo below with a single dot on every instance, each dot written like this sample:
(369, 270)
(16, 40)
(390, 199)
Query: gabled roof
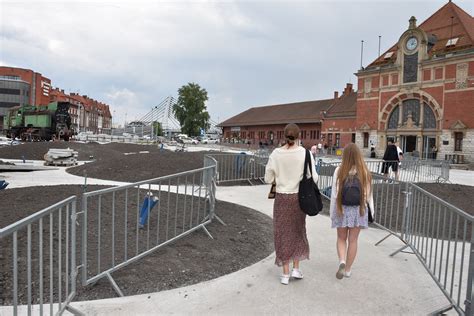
(442, 27)
(345, 106)
(300, 112)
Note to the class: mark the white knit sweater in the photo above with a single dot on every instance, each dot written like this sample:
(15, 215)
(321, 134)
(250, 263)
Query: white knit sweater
(285, 167)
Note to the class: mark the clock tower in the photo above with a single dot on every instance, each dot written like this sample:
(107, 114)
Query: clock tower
(412, 49)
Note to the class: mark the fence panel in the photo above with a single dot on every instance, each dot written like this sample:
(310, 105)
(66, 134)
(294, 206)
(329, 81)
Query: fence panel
(125, 223)
(41, 272)
(441, 236)
(234, 167)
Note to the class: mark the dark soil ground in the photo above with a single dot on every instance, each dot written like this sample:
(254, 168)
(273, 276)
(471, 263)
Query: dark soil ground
(110, 162)
(429, 217)
(196, 257)
(246, 239)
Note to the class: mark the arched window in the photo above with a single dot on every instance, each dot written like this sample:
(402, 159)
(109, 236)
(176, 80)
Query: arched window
(393, 120)
(429, 120)
(411, 106)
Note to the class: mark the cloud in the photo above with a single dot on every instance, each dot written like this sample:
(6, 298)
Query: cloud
(132, 55)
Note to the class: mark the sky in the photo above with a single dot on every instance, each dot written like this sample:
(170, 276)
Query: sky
(133, 54)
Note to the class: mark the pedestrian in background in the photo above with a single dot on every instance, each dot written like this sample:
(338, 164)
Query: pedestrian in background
(391, 160)
(351, 201)
(285, 168)
(314, 150)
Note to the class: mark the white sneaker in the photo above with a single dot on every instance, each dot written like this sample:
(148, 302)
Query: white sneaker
(340, 270)
(347, 274)
(285, 279)
(296, 273)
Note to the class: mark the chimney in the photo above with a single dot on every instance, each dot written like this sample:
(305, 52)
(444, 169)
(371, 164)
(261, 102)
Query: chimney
(336, 95)
(348, 88)
(62, 90)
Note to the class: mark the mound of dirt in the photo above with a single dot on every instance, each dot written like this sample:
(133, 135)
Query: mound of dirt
(135, 166)
(246, 239)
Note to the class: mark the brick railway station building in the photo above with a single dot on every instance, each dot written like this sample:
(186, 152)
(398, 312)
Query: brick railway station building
(24, 86)
(420, 92)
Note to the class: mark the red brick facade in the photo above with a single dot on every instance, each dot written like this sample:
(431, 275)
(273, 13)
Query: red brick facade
(433, 109)
(87, 114)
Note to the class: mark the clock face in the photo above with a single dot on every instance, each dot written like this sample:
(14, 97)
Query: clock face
(412, 43)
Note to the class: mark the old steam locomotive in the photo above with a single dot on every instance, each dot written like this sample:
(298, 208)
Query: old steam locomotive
(36, 123)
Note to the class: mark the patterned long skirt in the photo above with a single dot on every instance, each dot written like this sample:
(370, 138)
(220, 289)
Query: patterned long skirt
(289, 229)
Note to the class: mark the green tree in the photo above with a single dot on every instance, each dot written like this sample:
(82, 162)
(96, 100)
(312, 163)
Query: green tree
(190, 110)
(157, 129)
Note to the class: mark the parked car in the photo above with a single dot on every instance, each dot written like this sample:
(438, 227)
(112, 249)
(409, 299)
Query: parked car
(188, 140)
(209, 141)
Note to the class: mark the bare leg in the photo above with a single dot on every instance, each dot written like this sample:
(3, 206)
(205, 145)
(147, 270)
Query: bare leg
(286, 269)
(296, 264)
(342, 243)
(352, 249)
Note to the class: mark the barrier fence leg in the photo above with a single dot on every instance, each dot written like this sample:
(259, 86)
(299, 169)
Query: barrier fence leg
(114, 285)
(470, 281)
(405, 220)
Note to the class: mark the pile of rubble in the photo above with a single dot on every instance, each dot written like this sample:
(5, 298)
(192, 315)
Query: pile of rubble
(61, 157)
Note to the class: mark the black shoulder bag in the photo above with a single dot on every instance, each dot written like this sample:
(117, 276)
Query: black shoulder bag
(308, 193)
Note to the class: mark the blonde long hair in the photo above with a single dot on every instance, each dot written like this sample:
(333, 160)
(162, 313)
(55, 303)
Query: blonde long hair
(352, 158)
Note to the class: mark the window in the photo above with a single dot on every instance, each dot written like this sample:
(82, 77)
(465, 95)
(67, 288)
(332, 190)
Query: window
(452, 41)
(329, 139)
(429, 120)
(338, 140)
(412, 107)
(353, 138)
(393, 120)
(458, 136)
(244, 134)
(252, 135)
(303, 134)
(261, 135)
(317, 134)
(388, 55)
(366, 140)
(280, 135)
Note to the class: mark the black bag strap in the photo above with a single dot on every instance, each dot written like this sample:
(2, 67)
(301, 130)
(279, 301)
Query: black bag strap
(307, 161)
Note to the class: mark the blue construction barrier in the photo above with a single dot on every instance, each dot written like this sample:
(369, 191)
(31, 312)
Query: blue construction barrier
(148, 203)
(3, 184)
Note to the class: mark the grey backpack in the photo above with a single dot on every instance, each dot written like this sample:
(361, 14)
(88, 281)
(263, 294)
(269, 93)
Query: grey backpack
(351, 191)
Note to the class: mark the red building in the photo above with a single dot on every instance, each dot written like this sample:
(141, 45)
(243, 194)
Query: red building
(420, 92)
(87, 115)
(23, 86)
(329, 121)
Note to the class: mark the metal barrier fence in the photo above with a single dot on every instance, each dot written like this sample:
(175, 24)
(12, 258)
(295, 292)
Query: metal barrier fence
(240, 167)
(442, 238)
(42, 247)
(439, 234)
(410, 170)
(123, 224)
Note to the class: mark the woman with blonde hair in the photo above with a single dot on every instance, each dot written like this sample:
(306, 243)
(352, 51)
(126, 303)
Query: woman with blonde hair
(285, 168)
(351, 202)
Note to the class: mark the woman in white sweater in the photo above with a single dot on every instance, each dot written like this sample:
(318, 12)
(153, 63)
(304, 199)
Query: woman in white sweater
(285, 168)
(351, 201)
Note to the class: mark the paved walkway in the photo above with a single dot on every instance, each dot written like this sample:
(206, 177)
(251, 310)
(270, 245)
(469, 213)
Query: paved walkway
(380, 285)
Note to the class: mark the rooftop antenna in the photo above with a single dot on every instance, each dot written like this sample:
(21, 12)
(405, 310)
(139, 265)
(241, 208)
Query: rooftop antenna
(380, 38)
(361, 53)
(451, 37)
